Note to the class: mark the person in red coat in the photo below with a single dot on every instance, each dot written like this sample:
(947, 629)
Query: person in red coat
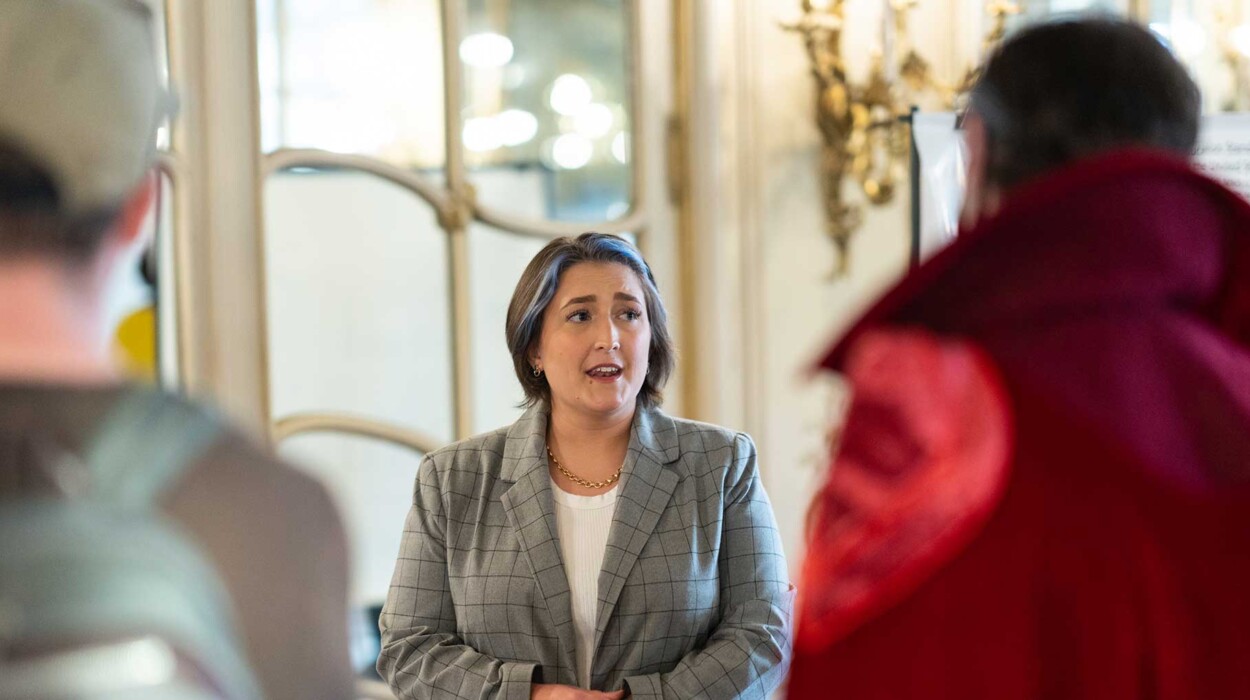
(1043, 484)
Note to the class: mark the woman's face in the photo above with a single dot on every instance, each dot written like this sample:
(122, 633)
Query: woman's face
(595, 341)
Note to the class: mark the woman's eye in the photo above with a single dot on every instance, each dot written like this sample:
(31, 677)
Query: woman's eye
(632, 314)
(579, 316)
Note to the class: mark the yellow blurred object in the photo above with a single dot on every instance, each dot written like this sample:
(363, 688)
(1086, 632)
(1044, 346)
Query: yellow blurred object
(134, 345)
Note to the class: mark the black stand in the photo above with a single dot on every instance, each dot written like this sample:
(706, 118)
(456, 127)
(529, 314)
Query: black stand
(914, 163)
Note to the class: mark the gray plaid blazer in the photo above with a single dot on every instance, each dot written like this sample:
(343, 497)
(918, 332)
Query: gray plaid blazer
(694, 598)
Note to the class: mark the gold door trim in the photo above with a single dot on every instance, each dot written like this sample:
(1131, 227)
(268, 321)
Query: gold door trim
(304, 423)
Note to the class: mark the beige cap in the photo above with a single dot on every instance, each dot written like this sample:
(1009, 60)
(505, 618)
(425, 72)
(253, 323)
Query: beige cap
(81, 95)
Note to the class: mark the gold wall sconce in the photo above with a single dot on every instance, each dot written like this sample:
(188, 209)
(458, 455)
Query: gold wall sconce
(862, 124)
(1232, 32)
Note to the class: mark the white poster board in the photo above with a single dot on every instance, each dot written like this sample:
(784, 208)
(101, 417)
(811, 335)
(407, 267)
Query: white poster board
(1224, 150)
(1223, 153)
(942, 162)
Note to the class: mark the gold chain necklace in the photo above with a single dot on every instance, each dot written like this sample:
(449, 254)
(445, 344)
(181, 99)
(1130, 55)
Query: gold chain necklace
(579, 480)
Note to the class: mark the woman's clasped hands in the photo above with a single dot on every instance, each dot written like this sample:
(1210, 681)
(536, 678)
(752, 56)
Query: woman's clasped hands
(551, 691)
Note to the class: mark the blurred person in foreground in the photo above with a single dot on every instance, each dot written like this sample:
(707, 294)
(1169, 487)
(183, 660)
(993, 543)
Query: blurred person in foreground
(1043, 484)
(82, 101)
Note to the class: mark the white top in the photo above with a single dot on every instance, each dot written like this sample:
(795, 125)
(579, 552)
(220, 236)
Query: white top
(583, 523)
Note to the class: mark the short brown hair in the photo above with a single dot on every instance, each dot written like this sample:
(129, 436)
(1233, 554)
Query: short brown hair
(538, 285)
(1068, 89)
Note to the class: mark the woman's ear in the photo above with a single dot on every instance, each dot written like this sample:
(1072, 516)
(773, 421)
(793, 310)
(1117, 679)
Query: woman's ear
(136, 208)
(981, 198)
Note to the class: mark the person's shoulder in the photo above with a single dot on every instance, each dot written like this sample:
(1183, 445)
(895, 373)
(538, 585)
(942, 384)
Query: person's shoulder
(923, 460)
(706, 448)
(237, 474)
(280, 546)
(482, 452)
(238, 469)
(693, 434)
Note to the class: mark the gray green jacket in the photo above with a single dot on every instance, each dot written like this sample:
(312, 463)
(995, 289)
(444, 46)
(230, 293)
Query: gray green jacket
(694, 599)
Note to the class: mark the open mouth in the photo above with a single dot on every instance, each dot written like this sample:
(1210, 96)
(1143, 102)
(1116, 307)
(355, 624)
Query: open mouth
(604, 372)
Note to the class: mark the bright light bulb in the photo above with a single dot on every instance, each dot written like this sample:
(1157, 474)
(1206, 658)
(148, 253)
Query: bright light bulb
(481, 134)
(516, 126)
(569, 94)
(593, 121)
(486, 50)
(571, 151)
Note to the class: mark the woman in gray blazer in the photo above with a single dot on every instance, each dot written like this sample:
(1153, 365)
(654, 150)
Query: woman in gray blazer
(596, 548)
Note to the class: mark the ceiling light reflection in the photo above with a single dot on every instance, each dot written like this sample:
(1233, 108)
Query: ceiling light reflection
(571, 151)
(569, 94)
(486, 50)
(516, 126)
(593, 121)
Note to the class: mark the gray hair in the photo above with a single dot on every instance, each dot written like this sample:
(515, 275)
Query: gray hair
(537, 287)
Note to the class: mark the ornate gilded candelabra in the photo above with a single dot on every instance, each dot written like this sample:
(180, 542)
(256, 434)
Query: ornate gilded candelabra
(864, 135)
(1233, 44)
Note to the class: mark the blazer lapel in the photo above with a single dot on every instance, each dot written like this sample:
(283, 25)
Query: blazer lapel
(531, 513)
(646, 487)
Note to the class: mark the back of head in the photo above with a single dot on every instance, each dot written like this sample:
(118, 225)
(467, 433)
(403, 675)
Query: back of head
(82, 101)
(1060, 91)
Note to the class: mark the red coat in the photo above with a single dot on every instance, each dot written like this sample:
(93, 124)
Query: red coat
(1043, 489)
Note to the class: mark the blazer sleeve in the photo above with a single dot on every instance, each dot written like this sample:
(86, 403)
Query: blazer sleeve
(422, 656)
(747, 653)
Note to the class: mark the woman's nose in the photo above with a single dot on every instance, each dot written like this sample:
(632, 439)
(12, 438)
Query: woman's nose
(609, 338)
